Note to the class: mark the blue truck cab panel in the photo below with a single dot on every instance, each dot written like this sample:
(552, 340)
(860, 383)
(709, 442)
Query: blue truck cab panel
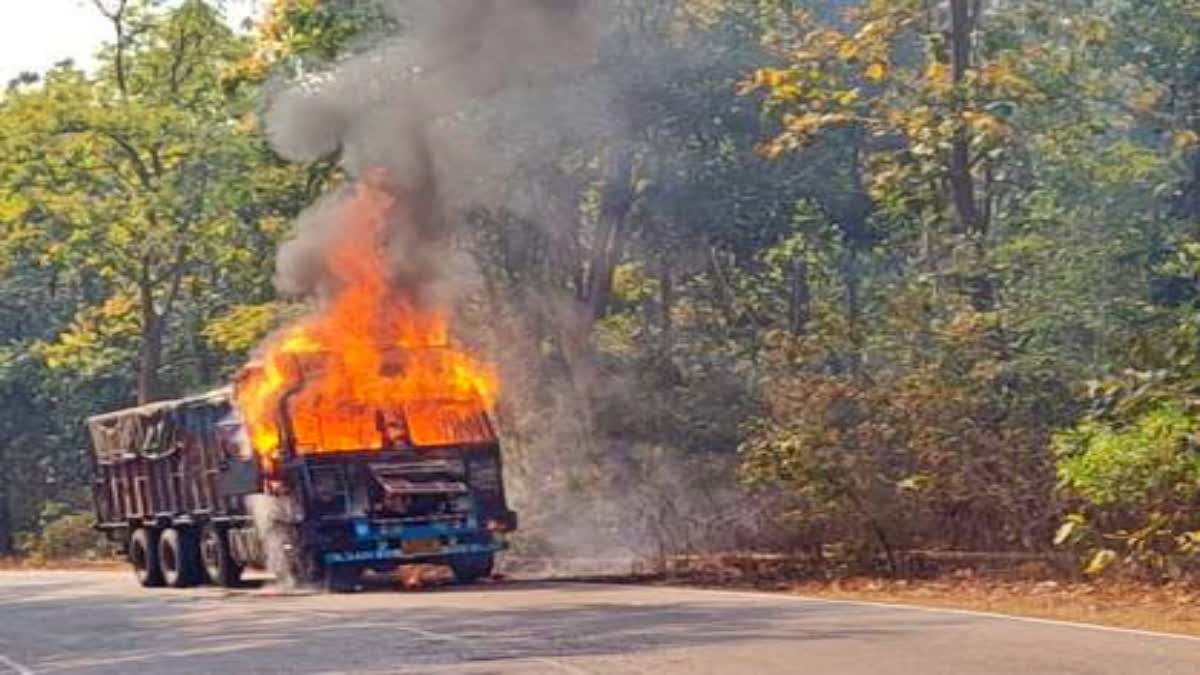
(382, 509)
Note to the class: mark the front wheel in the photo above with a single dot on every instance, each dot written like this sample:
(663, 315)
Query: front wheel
(470, 568)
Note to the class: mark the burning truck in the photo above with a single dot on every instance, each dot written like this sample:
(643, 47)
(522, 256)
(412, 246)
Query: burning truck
(359, 438)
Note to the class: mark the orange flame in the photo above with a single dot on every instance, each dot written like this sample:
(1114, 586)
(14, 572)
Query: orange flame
(372, 368)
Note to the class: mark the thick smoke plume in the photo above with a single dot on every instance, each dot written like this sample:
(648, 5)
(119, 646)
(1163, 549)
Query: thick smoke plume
(440, 116)
(390, 114)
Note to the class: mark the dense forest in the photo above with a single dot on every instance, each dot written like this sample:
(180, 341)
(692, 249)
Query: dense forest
(837, 277)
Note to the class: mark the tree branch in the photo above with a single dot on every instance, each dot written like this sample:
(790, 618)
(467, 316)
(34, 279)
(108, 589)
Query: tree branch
(139, 165)
(177, 273)
(117, 17)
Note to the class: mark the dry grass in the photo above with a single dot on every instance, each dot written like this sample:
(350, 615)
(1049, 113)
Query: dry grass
(990, 584)
(1168, 608)
(67, 564)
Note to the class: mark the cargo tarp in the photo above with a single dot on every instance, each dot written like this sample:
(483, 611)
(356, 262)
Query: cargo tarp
(148, 431)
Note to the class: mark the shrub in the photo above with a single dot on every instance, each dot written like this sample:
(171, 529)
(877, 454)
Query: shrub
(63, 533)
(946, 449)
(71, 536)
(1137, 480)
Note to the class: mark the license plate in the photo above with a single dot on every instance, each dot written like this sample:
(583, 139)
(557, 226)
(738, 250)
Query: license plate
(411, 546)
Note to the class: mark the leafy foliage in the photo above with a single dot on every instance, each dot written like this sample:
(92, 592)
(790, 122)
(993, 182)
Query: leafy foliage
(1149, 462)
(64, 533)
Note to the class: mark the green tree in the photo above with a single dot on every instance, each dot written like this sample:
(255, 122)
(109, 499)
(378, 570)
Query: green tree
(150, 182)
(1005, 193)
(125, 179)
(138, 205)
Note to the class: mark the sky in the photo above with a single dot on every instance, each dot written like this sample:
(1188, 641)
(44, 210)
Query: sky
(36, 34)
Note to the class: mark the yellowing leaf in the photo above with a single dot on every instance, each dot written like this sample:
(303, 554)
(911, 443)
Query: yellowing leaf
(848, 97)
(876, 72)
(1064, 532)
(1095, 32)
(786, 92)
(1182, 140)
(1100, 561)
(1145, 100)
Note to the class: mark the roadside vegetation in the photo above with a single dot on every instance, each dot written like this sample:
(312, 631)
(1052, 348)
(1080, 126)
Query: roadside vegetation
(833, 278)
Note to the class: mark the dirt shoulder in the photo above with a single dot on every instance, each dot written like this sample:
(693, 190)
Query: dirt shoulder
(1009, 587)
(1000, 584)
(1165, 609)
(14, 564)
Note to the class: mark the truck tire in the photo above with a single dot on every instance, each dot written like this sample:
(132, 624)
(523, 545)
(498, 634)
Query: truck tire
(342, 578)
(471, 568)
(217, 559)
(179, 558)
(143, 556)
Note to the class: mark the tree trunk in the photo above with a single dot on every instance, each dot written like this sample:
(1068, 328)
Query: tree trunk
(148, 366)
(6, 535)
(851, 275)
(614, 211)
(594, 292)
(666, 300)
(150, 356)
(574, 322)
(962, 185)
(1193, 201)
(877, 529)
(723, 292)
(799, 299)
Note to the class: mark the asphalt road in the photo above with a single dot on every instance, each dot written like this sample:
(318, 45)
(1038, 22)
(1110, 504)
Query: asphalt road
(101, 622)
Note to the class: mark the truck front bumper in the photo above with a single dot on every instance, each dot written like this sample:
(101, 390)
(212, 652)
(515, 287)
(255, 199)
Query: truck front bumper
(399, 556)
(375, 542)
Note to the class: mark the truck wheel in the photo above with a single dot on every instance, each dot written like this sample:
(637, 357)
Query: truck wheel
(342, 578)
(470, 568)
(178, 558)
(217, 559)
(143, 555)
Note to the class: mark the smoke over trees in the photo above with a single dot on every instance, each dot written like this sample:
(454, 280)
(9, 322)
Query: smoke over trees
(390, 112)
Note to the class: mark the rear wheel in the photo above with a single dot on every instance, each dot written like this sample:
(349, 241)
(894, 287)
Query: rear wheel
(179, 558)
(217, 559)
(471, 568)
(143, 556)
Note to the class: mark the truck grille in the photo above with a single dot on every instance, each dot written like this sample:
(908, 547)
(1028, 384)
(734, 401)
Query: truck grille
(424, 488)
